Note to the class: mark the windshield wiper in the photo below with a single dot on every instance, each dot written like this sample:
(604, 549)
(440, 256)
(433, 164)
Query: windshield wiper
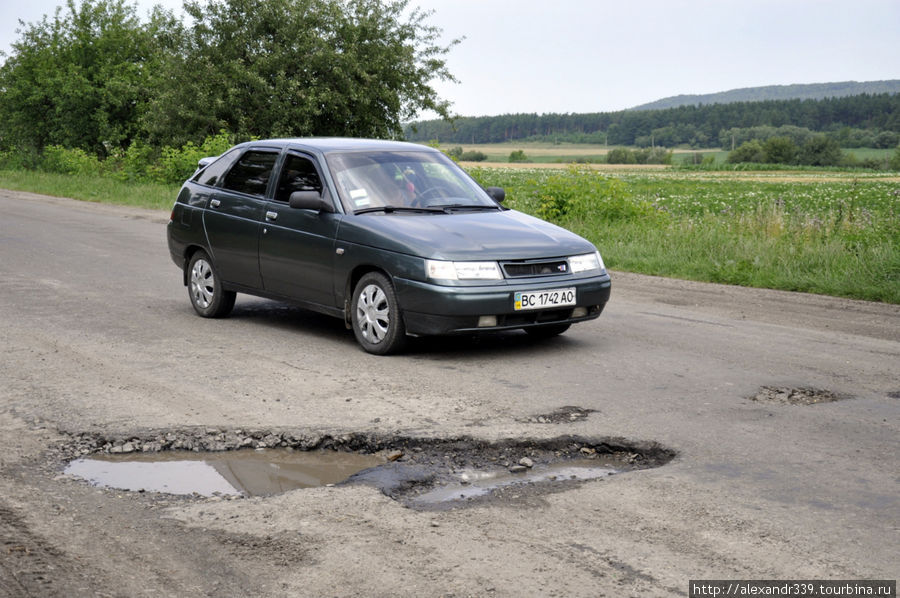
(391, 209)
(466, 206)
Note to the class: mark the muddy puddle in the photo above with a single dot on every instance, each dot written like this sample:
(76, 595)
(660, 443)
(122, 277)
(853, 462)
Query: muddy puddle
(475, 484)
(244, 473)
(419, 473)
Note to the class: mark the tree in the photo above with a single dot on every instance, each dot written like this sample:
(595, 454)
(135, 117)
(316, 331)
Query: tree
(749, 151)
(299, 67)
(779, 150)
(80, 79)
(820, 151)
(886, 140)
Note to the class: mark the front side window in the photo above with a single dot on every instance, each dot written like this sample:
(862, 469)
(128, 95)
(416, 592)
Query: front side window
(402, 179)
(251, 173)
(297, 174)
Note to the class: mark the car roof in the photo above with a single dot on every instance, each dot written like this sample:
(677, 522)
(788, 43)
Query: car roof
(331, 144)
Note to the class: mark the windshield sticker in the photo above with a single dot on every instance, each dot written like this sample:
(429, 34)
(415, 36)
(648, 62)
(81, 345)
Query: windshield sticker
(360, 197)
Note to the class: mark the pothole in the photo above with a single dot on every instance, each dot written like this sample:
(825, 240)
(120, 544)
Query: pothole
(563, 415)
(795, 396)
(420, 473)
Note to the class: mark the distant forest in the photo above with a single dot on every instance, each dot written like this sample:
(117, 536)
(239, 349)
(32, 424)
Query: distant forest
(868, 120)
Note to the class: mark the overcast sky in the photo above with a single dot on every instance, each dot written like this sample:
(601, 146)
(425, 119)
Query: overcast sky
(598, 56)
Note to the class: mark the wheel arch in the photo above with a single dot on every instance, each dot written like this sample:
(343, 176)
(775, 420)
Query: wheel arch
(189, 252)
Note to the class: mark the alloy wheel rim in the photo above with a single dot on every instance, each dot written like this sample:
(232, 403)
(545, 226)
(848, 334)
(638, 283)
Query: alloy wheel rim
(202, 284)
(373, 314)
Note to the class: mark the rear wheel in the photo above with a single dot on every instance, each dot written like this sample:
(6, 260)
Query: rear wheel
(376, 317)
(208, 297)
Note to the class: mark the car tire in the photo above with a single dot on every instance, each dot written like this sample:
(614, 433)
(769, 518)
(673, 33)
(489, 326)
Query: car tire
(208, 297)
(548, 331)
(376, 316)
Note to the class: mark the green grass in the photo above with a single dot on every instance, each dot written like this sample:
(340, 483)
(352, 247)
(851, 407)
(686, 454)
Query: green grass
(828, 232)
(91, 188)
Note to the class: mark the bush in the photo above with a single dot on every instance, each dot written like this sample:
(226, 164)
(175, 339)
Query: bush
(454, 153)
(518, 156)
(621, 155)
(62, 160)
(19, 159)
(473, 156)
(656, 155)
(175, 165)
(581, 194)
(139, 163)
(749, 151)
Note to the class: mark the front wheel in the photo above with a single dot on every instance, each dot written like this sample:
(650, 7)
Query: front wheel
(208, 297)
(375, 314)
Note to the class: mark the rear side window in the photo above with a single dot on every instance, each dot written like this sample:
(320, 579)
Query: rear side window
(251, 173)
(211, 174)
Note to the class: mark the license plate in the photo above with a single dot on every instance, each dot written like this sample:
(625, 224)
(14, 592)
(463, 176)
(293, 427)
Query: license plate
(545, 299)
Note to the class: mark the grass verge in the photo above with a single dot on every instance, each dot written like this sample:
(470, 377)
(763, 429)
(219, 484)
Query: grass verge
(91, 188)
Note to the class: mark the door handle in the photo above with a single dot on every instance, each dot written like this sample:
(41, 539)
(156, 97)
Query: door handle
(215, 203)
(271, 215)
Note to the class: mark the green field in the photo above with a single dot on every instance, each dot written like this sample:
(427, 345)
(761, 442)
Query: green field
(828, 232)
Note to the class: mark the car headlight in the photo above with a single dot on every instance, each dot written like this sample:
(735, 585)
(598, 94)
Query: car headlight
(586, 262)
(442, 270)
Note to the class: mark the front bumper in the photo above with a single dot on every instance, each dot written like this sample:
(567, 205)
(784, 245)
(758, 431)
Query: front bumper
(430, 309)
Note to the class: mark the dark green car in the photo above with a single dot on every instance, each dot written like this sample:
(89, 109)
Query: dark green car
(392, 237)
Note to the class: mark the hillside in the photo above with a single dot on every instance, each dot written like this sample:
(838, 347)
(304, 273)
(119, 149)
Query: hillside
(812, 91)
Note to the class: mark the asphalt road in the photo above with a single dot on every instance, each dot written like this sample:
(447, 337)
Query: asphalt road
(98, 336)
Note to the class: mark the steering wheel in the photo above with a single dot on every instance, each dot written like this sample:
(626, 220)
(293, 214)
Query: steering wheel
(423, 195)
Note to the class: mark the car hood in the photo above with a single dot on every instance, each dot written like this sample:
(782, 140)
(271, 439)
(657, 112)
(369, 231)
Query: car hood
(463, 235)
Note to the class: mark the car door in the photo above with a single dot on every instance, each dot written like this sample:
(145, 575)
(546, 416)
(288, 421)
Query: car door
(297, 246)
(234, 215)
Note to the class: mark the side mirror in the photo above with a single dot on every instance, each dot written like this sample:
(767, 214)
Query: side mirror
(204, 162)
(496, 193)
(309, 200)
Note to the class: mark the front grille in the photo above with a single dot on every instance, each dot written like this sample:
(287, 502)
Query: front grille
(523, 269)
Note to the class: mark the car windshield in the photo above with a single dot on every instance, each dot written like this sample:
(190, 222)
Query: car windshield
(369, 181)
